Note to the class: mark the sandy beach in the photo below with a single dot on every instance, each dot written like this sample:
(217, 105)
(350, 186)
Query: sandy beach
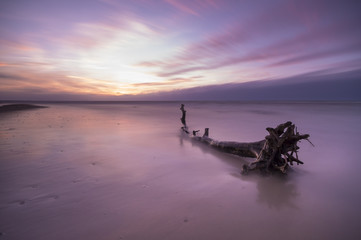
(126, 171)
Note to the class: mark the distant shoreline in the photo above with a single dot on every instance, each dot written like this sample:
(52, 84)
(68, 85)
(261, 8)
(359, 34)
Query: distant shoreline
(18, 107)
(33, 104)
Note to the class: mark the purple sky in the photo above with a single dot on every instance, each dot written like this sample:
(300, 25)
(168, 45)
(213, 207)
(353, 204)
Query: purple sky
(103, 49)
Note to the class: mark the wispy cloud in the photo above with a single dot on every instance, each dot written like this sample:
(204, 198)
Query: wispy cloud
(150, 64)
(325, 85)
(236, 46)
(193, 7)
(54, 82)
(183, 7)
(11, 77)
(173, 81)
(333, 52)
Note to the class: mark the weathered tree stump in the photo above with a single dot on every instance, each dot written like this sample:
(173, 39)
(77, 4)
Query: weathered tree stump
(276, 152)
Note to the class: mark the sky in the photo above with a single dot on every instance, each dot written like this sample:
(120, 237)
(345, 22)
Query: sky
(114, 49)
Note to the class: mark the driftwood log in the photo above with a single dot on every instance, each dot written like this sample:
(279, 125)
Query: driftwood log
(276, 152)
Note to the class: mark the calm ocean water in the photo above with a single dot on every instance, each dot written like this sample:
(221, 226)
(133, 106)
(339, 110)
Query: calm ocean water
(126, 171)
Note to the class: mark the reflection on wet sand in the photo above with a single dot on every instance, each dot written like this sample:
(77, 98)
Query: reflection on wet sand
(274, 190)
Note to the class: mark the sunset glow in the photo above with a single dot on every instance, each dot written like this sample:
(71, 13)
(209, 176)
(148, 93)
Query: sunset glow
(113, 48)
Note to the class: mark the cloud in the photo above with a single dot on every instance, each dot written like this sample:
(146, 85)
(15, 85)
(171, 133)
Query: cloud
(180, 71)
(333, 52)
(194, 7)
(181, 6)
(39, 94)
(26, 81)
(17, 46)
(212, 52)
(313, 86)
(23, 64)
(254, 42)
(150, 64)
(173, 81)
(11, 76)
(99, 34)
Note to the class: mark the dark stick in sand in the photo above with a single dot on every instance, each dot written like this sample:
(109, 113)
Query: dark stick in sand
(276, 152)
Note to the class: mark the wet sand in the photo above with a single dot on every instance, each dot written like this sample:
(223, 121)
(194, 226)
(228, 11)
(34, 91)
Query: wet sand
(125, 171)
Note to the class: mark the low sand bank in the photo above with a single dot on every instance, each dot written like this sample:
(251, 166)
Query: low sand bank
(18, 107)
